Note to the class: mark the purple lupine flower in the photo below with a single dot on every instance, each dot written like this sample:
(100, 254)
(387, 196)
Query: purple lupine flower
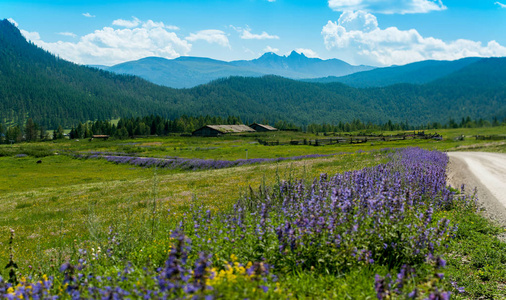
(381, 287)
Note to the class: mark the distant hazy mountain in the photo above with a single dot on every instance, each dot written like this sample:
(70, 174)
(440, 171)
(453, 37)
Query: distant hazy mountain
(185, 72)
(415, 73)
(298, 66)
(182, 72)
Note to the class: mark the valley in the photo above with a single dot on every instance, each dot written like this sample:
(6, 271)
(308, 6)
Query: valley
(142, 180)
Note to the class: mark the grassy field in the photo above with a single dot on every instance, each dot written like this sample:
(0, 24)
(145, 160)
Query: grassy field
(65, 204)
(247, 146)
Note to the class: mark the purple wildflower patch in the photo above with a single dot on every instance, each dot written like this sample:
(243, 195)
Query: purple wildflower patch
(189, 163)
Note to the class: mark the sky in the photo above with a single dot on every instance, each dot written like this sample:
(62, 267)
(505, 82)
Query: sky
(368, 32)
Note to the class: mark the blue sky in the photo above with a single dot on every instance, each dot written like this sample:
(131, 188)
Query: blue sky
(372, 32)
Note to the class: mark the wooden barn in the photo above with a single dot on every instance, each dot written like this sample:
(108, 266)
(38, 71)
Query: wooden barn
(100, 136)
(262, 127)
(217, 130)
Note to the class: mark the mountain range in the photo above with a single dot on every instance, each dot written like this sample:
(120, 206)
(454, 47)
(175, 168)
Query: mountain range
(187, 72)
(36, 84)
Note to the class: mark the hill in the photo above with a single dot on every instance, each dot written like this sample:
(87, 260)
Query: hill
(52, 91)
(186, 72)
(414, 73)
(36, 84)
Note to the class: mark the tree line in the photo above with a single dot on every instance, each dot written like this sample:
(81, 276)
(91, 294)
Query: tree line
(357, 125)
(148, 125)
(158, 126)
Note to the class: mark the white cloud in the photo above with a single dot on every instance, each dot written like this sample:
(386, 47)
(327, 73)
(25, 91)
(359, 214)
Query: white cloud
(129, 24)
(88, 15)
(247, 35)
(358, 20)
(307, 52)
(71, 34)
(388, 7)
(152, 24)
(500, 4)
(13, 22)
(358, 36)
(109, 46)
(172, 27)
(211, 36)
(249, 51)
(271, 0)
(135, 22)
(30, 36)
(270, 49)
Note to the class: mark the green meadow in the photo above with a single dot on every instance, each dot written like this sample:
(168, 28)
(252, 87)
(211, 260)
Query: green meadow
(64, 204)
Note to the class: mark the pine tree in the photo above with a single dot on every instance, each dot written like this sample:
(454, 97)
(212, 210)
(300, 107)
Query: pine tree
(31, 130)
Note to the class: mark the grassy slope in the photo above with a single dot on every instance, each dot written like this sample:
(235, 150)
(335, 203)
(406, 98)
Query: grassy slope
(40, 200)
(64, 204)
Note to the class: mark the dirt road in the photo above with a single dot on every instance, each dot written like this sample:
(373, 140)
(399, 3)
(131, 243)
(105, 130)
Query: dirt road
(486, 172)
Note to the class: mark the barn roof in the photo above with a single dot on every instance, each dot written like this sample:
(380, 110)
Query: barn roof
(268, 127)
(230, 128)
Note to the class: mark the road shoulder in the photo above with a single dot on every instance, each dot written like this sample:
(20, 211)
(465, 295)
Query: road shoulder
(458, 173)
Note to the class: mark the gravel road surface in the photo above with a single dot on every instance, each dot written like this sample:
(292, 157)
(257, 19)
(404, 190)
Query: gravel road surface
(486, 172)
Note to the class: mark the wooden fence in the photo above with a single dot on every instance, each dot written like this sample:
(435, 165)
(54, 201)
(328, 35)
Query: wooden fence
(354, 139)
(491, 137)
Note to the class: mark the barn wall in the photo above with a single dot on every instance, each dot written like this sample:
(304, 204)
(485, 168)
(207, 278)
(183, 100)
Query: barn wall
(206, 131)
(259, 128)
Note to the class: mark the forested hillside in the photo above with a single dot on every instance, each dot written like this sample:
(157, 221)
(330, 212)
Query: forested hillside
(51, 91)
(416, 73)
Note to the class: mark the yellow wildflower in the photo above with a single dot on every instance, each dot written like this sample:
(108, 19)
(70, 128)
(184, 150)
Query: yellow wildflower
(278, 288)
